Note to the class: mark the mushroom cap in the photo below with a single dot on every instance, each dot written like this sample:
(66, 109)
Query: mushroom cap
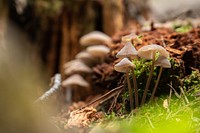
(84, 55)
(148, 51)
(123, 65)
(127, 51)
(98, 50)
(163, 61)
(72, 62)
(75, 79)
(128, 38)
(94, 37)
(78, 67)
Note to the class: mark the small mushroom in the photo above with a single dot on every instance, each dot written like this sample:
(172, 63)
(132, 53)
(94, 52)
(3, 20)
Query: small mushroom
(133, 38)
(163, 62)
(124, 66)
(94, 38)
(73, 82)
(149, 52)
(128, 50)
(86, 57)
(98, 51)
(78, 67)
(72, 62)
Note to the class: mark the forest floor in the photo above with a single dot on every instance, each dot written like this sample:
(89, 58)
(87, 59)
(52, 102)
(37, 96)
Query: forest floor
(176, 106)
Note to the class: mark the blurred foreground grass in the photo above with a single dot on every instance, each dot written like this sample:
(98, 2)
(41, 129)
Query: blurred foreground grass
(164, 116)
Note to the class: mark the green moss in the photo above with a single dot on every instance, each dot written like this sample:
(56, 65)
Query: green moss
(183, 28)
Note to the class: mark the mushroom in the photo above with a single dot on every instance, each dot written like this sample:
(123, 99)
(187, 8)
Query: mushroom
(73, 82)
(124, 66)
(133, 38)
(98, 51)
(86, 57)
(94, 38)
(130, 52)
(78, 67)
(72, 62)
(149, 52)
(163, 62)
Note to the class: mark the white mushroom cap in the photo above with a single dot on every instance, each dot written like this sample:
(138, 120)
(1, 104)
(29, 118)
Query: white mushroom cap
(123, 65)
(129, 37)
(78, 67)
(163, 61)
(72, 62)
(127, 51)
(84, 55)
(75, 79)
(148, 51)
(94, 38)
(98, 50)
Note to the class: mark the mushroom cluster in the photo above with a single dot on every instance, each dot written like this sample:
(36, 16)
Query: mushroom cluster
(77, 70)
(127, 53)
(154, 52)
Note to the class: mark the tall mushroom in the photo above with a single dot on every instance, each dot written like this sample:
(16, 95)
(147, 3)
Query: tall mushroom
(129, 51)
(124, 66)
(73, 82)
(163, 62)
(149, 52)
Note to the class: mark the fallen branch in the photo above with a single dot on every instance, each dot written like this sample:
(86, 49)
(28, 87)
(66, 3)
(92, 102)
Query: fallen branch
(53, 89)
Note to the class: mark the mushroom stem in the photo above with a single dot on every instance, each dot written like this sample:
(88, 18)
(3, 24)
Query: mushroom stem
(156, 85)
(68, 95)
(129, 89)
(148, 81)
(135, 89)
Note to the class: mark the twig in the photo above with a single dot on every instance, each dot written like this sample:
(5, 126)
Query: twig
(182, 91)
(114, 101)
(105, 97)
(174, 91)
(53, 89)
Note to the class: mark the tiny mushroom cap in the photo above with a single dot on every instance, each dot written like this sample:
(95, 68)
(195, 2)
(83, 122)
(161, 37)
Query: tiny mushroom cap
(75, 79)
(94, 37)
(149, 51)
(163, 61)
(124, 65)
(98, 50)
(127, 51)
(77, 68)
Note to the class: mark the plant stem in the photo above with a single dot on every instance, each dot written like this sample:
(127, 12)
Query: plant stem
(129, 89)
(156, 85)
(148, 81)
(135, 89)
